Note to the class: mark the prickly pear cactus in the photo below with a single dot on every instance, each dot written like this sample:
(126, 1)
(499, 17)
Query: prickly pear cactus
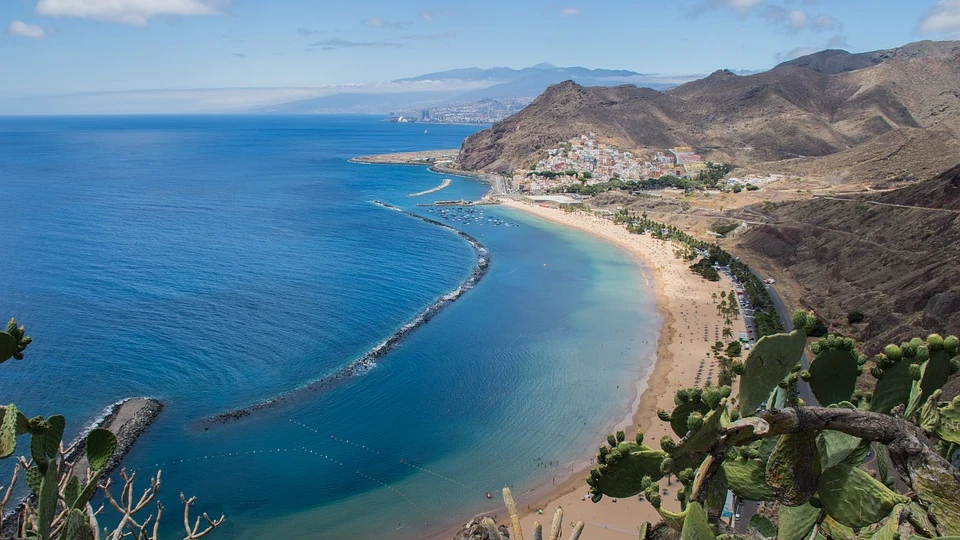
(747, 479)
(769, 362)
(948, 420)
(9, 417)
(13, 342)
(796, 522)
(895, 382)
(837, 447)
(938, 365)
(691, 449)
(834, 370)
(696, 526)
(854, 498)
(623, 468)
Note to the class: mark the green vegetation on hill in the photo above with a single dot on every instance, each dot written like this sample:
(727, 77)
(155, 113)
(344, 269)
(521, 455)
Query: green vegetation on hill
(766, 318)
(714, 172)
(667, 181)
(724, 228)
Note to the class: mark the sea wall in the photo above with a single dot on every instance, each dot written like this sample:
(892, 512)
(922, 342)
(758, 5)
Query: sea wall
(368, 360)
(127, 419)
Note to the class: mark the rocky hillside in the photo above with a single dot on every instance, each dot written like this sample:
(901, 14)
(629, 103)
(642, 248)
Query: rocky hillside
(819, 105)
(887, 256)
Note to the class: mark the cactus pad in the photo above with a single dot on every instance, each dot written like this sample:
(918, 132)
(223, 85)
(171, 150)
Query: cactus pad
(8, 346)
(691, 448)
(948, 421)
(794, 468)
(622, 471)
(796, 522)
(747, 479)
(894, 385)
(835, 530)
(769, 362)
(8, 431)
(854, 498)
(834, 372)
(836, 447)
(936, 373)
(101, 445)
(764, 527)
(680, 415)
(696, 526)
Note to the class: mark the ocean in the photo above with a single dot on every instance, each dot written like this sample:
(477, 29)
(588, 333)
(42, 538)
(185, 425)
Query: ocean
(216, 261)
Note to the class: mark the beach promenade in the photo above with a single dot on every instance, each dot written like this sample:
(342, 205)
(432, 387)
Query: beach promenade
(690, 326)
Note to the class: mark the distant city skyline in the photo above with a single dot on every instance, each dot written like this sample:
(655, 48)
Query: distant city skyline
(247, 52)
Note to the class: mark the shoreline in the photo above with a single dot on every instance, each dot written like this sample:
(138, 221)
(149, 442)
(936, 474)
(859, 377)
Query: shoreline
(368, 360)
(683, 301)
(675, 289)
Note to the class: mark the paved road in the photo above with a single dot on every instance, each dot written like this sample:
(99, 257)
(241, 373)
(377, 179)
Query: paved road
(892, 205)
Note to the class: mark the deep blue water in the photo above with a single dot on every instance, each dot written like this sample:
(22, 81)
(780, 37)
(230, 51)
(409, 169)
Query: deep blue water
(212, 262)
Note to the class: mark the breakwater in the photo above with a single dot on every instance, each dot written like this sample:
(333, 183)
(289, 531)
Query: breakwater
(444, 184)
(368, 360)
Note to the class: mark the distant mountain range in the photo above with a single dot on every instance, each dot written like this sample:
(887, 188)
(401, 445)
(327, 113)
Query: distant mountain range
(466, 86)
(900, 102)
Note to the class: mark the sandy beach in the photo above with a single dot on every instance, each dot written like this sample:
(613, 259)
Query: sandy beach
(690, 327)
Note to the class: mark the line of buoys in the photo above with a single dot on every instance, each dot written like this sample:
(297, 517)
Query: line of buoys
(335, 438)
(403, 461)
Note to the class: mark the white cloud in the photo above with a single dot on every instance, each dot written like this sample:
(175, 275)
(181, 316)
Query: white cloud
(796, 53)
(22, 29)
(431, 15)
(569, 12)
(797, 19)
(825, 23)
(739, 5)
(136, 12)
(377, 22)
(338, 43)
(944, 17)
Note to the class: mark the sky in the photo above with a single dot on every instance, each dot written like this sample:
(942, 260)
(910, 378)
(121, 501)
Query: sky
(246, 50)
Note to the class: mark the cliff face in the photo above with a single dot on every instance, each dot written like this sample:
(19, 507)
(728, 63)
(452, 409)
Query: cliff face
(819, 105)
(891, 261)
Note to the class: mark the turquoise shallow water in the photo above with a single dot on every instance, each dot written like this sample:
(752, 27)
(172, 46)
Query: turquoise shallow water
(216, 261)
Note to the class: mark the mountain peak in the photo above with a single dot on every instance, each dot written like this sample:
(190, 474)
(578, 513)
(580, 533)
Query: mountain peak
(544, 65)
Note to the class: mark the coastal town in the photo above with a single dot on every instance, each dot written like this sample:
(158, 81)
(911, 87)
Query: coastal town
(587, 161)
(483, 112)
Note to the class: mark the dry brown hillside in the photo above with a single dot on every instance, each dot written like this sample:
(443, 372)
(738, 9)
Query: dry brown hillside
(820, 105)
(892, 260)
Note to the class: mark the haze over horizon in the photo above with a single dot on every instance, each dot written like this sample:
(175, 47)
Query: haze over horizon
(206, 55)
